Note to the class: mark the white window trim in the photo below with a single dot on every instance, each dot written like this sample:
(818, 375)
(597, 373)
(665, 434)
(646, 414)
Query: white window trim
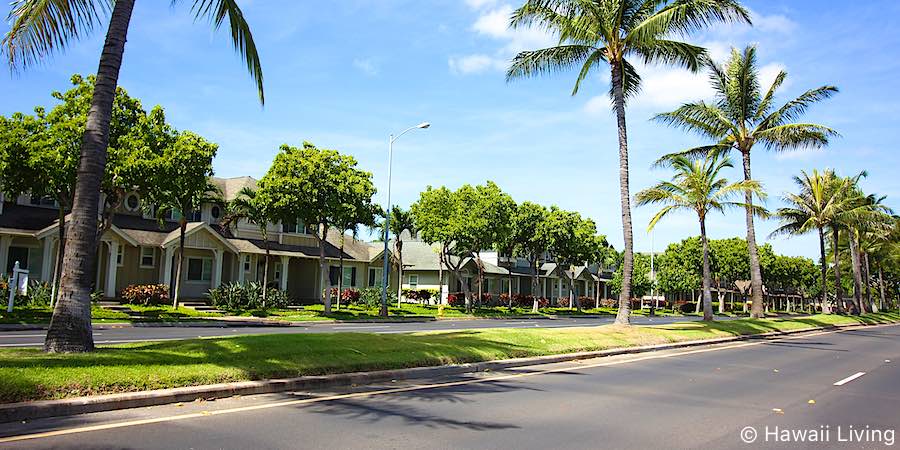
(410, 281)
(152, 258)
(125, 203)
(120, 255)
(348, 273)
(247, 263)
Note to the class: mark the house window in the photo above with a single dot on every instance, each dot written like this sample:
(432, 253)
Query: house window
(120, 255)
(487, 285)
(195, 216)
(504, 285)
(199, 269)
(293, 226)
(349, 277)
(132, 202)
(375, 276)
(247, 263)
(44, 200)
(215, 212)
(334, 275)
(19, 254)
(413, 281)
(278, 271)
(148, 257)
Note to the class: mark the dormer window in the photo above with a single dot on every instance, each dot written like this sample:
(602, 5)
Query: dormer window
(293, 226)
(215, 212)
(44, 200)
(132, 202)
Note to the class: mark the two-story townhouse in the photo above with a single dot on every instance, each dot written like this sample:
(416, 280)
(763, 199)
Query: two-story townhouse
(138, 249)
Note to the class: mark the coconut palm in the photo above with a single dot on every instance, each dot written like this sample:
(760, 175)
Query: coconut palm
(617, 32)
(866, 215)
(815, 207)
(39, 28)
(249, 207)
(742, 116)
(401, 220)
(697, 185)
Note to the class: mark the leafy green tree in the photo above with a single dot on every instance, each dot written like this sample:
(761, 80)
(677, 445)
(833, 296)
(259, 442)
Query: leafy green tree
(253, 209)
(530, 242)
(355, 211)
(698, 186)
(491, 224)
(815, 207)
(316, 186)
(179, 186)
(642, 282)
(37, 29)
(680, 267)
(44, 156)
(742, 116)
(616, 32)
(572, 241)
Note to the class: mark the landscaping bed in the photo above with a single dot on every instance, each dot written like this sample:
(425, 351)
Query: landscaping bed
(29, 374)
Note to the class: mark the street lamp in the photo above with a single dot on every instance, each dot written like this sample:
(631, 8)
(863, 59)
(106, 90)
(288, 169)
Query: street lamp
(387, 218)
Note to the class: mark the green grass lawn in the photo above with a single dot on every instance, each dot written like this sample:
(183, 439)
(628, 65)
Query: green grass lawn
(41, 314)
(28, 374)
(411, 310)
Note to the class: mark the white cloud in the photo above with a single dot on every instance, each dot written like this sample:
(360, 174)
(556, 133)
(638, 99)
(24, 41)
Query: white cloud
(775, 23)
(473, 64)
(493, 23)
(366, 66)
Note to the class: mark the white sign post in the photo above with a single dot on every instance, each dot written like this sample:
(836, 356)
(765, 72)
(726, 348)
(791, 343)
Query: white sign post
(18, 284)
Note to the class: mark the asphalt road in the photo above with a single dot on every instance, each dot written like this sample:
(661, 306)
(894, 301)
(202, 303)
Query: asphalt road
(694, 398)
(110, 334)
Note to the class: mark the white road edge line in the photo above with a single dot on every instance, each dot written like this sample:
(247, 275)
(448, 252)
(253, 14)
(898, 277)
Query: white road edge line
(849, 379)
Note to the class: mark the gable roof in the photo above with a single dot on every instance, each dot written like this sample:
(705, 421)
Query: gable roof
(231, 186)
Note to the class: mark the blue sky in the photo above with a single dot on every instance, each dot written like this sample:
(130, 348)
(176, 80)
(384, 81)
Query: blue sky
(346, 74)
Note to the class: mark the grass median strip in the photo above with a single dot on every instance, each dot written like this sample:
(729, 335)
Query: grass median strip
(27, 374)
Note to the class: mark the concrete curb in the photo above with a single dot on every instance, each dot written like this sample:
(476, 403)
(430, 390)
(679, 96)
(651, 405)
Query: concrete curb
(52, 408)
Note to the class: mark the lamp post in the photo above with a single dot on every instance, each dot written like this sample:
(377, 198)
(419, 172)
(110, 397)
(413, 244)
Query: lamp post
(387, 219)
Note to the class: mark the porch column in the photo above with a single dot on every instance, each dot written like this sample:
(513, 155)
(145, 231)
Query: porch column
(217, 268)
(168, 254)
(4, 251)
(111, 269)
(47, 260)
(285, 264)
(559, 284)
(605, 290)
(240, 268)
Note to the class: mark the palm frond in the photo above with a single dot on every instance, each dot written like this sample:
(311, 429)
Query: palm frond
(796, 107)
(795, 136)
(40, 27)
(687, 16)
(669, 52)
(241, 36)
(548, 60)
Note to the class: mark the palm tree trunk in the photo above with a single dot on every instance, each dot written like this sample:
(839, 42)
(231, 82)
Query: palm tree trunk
(624, 313)
(177, 295)
(867, 278)
(440, 298)
(509, 290)
(60, 249)
(756, 294)
(341, 279)
(70, 327)
(707, 277)
(857, 273)
(881, 285)
(824, 267)
(534, 286)
(399, 275)
(838, 288)
(324, 278)
(265, 291)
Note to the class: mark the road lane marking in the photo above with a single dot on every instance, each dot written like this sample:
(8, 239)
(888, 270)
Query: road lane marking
(354, 327)
(849, 379)
(263, 406)
(21, 335)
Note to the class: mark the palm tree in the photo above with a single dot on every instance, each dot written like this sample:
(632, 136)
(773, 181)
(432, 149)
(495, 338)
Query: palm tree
(37, 29)
(867, 215)
(401, 220)
(817, 205)
(698, 186)
(742, 116)
(617, 32)
(248, 206)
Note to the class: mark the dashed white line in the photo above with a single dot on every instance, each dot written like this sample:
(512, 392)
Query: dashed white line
(353, 327)
(849, 379)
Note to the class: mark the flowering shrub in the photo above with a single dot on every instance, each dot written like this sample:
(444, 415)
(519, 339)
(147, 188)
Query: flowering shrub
(562, 302)
(145, 294)
(350, 296)
(609, 303)
(457, 299)
(586, 302)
